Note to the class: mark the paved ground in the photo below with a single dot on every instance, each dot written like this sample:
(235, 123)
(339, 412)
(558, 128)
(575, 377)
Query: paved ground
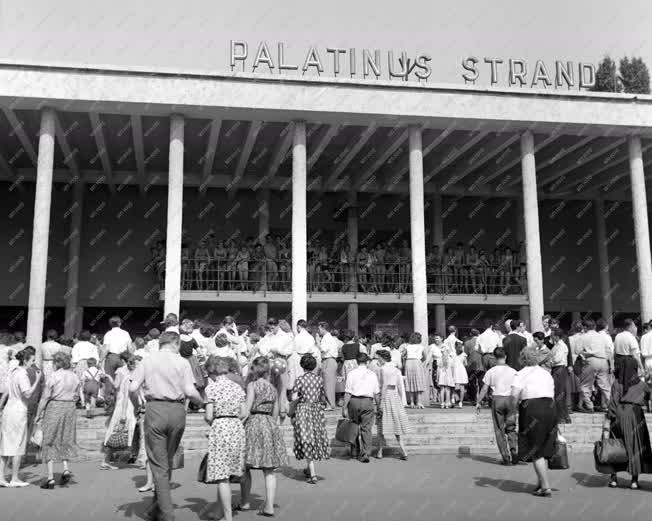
(426, 487)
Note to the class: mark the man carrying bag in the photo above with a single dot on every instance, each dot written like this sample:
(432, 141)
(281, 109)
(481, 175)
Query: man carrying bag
(168, 380)
(361, 401)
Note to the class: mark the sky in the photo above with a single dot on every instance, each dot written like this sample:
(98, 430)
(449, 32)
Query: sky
(195, 34)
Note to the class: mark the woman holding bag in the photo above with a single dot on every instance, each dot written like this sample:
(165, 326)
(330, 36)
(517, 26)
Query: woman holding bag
(122, 425)
(625, 421)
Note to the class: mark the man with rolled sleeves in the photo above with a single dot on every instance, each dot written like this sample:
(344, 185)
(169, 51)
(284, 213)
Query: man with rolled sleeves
(361, 401)
(168, 380)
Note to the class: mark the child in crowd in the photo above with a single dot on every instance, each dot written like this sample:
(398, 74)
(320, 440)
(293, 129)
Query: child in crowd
(461, 377)
(92, 379)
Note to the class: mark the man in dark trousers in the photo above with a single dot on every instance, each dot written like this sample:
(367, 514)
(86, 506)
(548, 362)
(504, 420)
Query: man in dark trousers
(361, 401)
(168, 381)
(513, 344)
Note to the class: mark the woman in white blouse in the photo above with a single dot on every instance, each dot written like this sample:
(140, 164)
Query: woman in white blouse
(415, 380)
(534, 389)
(560, 374)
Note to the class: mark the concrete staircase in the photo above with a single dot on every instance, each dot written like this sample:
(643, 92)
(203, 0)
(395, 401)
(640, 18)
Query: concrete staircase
(434, 431)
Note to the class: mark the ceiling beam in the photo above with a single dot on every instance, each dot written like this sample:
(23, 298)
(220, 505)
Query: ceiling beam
(365, 135)
(584, 180)
(495, 147)
(390, 146)
(68, 153)
(574, 164)
(327, 136)
(97, 131)
(511, 164)
(139, 151)
(209, 155)
(624, 173)
(223, 180)
(401, 172)
(17, 128)
(563, 152)
(279, 154)
(454, 154)
(250, 141)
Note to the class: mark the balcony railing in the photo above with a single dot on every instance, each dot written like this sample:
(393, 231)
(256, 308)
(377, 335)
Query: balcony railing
(388, 278)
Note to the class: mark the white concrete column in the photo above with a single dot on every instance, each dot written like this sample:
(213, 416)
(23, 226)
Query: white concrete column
(175, 217)
(417, 235)
(263, 215)
(437, 221)
(352, 235)
(440, 319)
(73, 313)
(641, 227)
(352, 317)
(520, 223)
(299, 225)
(41, 232)
(532, 242)
(524, 314)
(603, 261)
(261, 313)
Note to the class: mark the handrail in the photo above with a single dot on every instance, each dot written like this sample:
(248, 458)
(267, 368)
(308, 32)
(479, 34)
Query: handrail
(265, 275)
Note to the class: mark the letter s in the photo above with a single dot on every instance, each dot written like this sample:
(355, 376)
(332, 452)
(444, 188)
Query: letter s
(422, 63)
(470, 64)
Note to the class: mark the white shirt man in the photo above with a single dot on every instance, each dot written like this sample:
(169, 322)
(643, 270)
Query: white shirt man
(488, 341)
(117, 341)
(626, 344)
(522, 330)
(646, 350)
(305, 343)
(281, 343)
(362, 383)
(329, 346)
(83, 350)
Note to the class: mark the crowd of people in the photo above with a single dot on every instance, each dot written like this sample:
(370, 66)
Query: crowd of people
(246, 383)
(248, 265)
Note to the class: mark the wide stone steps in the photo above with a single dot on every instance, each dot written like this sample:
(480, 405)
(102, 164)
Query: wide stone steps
(434, 431)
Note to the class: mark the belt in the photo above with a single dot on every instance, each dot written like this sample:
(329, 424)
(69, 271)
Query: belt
(264, 413)
(65, 401)
(362, 397)
(180, 400)
(225, 416)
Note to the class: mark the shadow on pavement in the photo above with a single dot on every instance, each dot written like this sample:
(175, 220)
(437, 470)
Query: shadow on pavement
(506, 485)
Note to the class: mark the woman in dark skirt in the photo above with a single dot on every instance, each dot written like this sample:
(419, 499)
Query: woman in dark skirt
(534, 389)
(625, 421)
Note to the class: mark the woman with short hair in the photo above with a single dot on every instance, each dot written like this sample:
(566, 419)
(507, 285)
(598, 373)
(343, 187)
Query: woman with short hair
(625, 421)
(310, 438)
(534, 389)
(58, 416)
(225, 411)
(14, 428)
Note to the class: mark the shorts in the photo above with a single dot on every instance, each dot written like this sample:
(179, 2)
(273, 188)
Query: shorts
(91, 389)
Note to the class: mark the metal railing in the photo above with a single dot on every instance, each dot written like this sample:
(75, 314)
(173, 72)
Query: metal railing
(264, 275)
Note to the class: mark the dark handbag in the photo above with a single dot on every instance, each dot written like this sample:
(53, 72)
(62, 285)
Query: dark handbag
(559, 460)
(119, 438)
(610, 451)
(178, 458)
(347, 431)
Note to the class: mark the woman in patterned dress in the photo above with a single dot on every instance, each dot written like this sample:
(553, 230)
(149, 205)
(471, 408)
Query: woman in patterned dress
(59, 418)
(265, 449)
(310, 438)
(394, 419)
(415, 381)
(225, 411)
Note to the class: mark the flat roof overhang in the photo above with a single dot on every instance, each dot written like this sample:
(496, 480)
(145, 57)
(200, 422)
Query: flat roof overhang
(277, 98)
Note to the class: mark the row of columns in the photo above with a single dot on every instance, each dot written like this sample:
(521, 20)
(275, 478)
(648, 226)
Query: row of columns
(528, 228)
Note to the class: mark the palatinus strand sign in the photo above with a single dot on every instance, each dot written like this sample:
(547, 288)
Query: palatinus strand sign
(390, 65)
